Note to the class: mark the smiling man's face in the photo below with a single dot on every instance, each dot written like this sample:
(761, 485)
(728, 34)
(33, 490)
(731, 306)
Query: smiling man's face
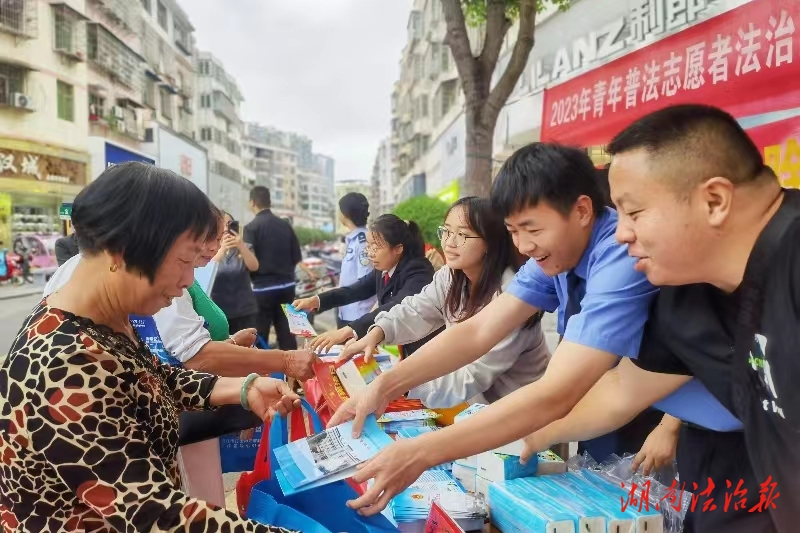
(668, 234)
(554, 240)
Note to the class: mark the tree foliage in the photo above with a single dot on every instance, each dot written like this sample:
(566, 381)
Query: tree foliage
(428, 212)
(311, 235)
(475, 10)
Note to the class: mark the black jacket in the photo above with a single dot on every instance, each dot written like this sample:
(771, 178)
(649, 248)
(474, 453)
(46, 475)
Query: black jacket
(410, 276)
(66, 248)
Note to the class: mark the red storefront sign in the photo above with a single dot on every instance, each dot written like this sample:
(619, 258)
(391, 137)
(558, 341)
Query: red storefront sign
(742, 61)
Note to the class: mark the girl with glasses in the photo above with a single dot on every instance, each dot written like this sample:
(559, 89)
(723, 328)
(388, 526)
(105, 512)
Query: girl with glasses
(480, 262)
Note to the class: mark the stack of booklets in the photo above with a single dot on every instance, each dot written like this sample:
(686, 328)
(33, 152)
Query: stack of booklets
(329, 456)
(412, 507)
(567, 503)
(334, 390)
(393, 422)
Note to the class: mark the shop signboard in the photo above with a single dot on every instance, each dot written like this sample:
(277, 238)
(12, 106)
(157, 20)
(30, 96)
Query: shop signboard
(31, 166)
(65, 212)
(183, 157)
(741, 60)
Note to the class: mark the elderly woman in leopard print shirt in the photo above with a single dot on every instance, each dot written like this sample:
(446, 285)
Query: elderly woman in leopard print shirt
(88, 416)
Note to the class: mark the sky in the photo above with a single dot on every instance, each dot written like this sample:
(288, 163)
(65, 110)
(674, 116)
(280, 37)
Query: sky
(322, 68)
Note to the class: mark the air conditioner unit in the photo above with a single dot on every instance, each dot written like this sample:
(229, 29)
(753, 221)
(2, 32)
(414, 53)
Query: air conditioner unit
(122, 127)
(22, 101)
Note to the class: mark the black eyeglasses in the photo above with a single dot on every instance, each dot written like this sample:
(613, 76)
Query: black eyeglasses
(460, 240)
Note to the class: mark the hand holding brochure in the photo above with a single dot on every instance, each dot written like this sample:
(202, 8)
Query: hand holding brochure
(328, 456)
(298, 322)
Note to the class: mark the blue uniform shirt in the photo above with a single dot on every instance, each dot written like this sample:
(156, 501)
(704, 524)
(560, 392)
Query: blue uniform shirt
(355, 265)
(614, 307)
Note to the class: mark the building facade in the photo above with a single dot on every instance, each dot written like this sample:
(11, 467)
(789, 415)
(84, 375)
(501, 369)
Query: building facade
(300, 181)
(219, 129)
(383, 193)
(44, 125)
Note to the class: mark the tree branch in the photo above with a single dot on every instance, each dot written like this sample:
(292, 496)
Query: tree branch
(497, 25)
(519, 58)
(458, 40)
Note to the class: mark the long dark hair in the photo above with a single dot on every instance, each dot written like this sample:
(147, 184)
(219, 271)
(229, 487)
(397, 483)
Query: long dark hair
(395, 231)
(501, 254)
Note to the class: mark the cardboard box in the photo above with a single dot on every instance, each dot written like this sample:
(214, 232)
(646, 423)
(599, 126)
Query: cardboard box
(549, 463)
(482, 487)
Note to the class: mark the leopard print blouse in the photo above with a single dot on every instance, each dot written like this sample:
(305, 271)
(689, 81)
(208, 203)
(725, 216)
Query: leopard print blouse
(89, 434)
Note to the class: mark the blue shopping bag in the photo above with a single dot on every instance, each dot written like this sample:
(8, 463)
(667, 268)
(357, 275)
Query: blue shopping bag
(325, 504)
(265, 510)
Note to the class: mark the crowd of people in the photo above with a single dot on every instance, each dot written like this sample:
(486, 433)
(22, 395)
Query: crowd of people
(676, 292)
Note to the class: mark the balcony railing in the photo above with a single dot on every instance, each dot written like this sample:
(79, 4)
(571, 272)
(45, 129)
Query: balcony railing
(225, 107)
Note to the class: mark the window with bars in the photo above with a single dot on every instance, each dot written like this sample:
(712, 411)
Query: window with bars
(12, 15)
(12, 80)
(203, 68)
(66, 101)
(162, 16)
(97, 106)
(205, 101)
(205, 134)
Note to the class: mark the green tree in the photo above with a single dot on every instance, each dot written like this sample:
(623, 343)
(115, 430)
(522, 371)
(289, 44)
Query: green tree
(427, 212)
(311, 235)
(484, 102)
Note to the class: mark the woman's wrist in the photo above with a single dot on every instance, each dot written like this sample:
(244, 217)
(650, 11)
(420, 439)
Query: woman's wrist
(376, 334)
(226, 391)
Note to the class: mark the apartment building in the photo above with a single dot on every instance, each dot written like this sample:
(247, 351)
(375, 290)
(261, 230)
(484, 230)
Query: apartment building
(382, 186)
(220, 129)
(43, 126)
(300, 181)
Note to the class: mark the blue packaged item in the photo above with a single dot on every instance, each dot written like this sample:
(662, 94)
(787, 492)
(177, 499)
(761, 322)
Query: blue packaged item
(513, 508)
(586, 495)
(148, 332)
(615, 494)
(493, 466)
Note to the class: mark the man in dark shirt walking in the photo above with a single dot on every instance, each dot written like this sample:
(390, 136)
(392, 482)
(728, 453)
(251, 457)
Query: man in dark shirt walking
(278, 251)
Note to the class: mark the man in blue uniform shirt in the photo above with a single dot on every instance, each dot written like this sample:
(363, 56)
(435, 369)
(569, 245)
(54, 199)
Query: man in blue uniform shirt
(555, 211)
(353, 213)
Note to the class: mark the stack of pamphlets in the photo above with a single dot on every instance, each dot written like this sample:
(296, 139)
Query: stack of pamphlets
(355, 374)
(393, 422)
(412, 507)
(299, 324)
(563, 503)
(335, 393)
(329, 456)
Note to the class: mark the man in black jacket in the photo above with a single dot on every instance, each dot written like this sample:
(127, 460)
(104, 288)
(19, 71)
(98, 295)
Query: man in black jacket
(277, 249)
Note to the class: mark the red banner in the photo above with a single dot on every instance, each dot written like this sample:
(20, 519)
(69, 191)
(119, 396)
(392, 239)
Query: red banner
(742, 61)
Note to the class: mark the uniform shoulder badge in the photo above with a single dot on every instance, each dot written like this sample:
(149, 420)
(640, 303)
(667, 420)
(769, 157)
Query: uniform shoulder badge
(363, 257)
(362, 237)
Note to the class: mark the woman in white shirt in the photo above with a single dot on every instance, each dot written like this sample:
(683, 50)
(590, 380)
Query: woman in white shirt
(480, 262)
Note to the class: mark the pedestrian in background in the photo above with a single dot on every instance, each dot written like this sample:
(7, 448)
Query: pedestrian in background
(233, 291)
(353, 213)
(66, 248)
(277, 250)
